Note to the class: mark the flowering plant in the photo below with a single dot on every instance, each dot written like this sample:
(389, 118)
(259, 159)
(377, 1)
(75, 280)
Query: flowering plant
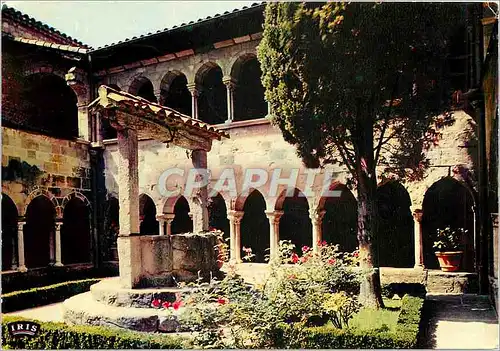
(449, 239)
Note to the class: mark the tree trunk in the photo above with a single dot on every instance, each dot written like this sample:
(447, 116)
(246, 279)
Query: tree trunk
(370, 292)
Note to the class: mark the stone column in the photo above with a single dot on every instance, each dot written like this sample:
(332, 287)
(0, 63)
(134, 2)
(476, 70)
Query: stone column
(200, 214)
(20, 247)
(58, 262)
(169, 218)
(14, 256)
(161, 224)
(317, 227)
(230, 84)
(193, 89)
(268, 110)
(235, 234)
(419, 250)
(274, 230)
(52, 247)
(129, 249)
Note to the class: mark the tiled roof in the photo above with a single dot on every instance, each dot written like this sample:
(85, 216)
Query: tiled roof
(75, 49)
(154, 113)
(182, 25)
(30, 21)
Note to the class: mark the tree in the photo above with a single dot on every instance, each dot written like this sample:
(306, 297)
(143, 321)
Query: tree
(361, 85)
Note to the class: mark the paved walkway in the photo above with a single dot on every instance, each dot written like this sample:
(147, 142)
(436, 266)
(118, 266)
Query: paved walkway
(47, 313)
(460, 322)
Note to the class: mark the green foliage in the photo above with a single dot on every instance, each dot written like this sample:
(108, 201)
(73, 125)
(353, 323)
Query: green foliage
(62, 336)
(233, 314)
(45, 295)
(412, 289)
(326, 337)
(449, 239)
(338, 75)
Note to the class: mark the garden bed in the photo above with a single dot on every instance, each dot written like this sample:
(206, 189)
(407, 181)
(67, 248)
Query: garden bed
(19, 300)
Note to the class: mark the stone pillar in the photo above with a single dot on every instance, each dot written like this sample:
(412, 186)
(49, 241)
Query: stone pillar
(58, 262)
(14, 256)
(20, 247)
(317, 227)
(230, 84)
(274, 231)
(52, 247)
(169, 218)
(200, 214)
(235, 234)
(129, 246)
(193, 89)
(419, 250)
(269, 115)
(161, 224)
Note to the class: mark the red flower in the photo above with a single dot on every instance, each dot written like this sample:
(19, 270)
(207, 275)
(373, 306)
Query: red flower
(331, 261)
(292, 276)
(221, 301)
(305, 249)
(355, 254)
(167, 304)
(303, 259)
(322, 243)
(294, 258)
(156, 303)
(177, 304)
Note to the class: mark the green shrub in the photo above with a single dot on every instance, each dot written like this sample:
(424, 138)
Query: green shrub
(327, 337)
(62, 336)
(413, 289)
(45, 295)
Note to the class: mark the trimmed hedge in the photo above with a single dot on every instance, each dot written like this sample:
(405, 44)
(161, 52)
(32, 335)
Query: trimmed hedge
(61, 336)
(412, 289)
(404, 337)
(19, 300)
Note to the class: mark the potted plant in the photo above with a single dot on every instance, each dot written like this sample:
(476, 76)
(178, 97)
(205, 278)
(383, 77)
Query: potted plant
(448, 248)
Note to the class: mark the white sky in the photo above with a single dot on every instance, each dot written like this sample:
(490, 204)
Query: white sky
(97, 23)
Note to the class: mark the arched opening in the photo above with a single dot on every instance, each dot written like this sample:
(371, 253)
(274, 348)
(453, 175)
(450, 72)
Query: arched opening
(340, 221)
(147, 214)
(49, 106)
(249, 100)
(448, 203)
(143, 88)
(75, 233)
(212, 102)
(182, 222)
(112, 229)
(39, 232)
(396, 227)
(254, 228)
(175, 94)
(295, 224)
(217, 214)
(9, 232)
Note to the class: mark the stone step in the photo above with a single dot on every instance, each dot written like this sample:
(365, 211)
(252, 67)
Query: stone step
(109, 292)
(82, 309)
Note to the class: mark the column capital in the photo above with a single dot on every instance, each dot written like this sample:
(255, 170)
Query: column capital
(274, 215)
(166, 217)
(417, 214)
(20, 225)
(235, 215)
(229, 82)
(58, 224)
(193, 88)
(316, 215)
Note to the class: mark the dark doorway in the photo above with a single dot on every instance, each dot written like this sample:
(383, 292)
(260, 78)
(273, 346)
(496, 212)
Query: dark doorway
(178, 96)
(75, 233)
(147, 213)
(295, 224)
(255, 227)
(38, 231)
(182, 222)
(249, 100)
(9, 232)
(212, 102)
(217, 214)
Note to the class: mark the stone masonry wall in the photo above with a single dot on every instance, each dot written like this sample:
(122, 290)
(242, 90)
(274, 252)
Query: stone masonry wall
(33, 162)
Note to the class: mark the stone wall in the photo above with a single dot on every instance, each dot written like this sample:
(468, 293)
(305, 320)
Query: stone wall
(33, 162)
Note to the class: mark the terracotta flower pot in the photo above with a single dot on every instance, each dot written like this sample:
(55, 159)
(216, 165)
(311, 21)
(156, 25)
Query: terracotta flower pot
(449, 261)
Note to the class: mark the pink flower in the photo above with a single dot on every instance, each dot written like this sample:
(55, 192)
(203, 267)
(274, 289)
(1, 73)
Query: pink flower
(156, 303)
(294, 258)
(305, 248)
(167, 304)
(177, 304)
(322, 243)
(303, 259)
(221, 301)
(292, 276)
(331, 261)
(355, 254)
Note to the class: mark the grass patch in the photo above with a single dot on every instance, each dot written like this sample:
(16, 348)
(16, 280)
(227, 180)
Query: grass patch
(371, 319)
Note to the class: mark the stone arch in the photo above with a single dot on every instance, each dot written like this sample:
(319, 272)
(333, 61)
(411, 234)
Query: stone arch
(255, 225)
(174, 92)
(77, 195)
(212, 99)
(39, 192)
(76, 241)
(295, 224)
(147, 214)
(396, 226)
(49, 105)
(39, 232)
(44, 68)
(448, 202)
(9, 233)
(142, 86)
(340, 220)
